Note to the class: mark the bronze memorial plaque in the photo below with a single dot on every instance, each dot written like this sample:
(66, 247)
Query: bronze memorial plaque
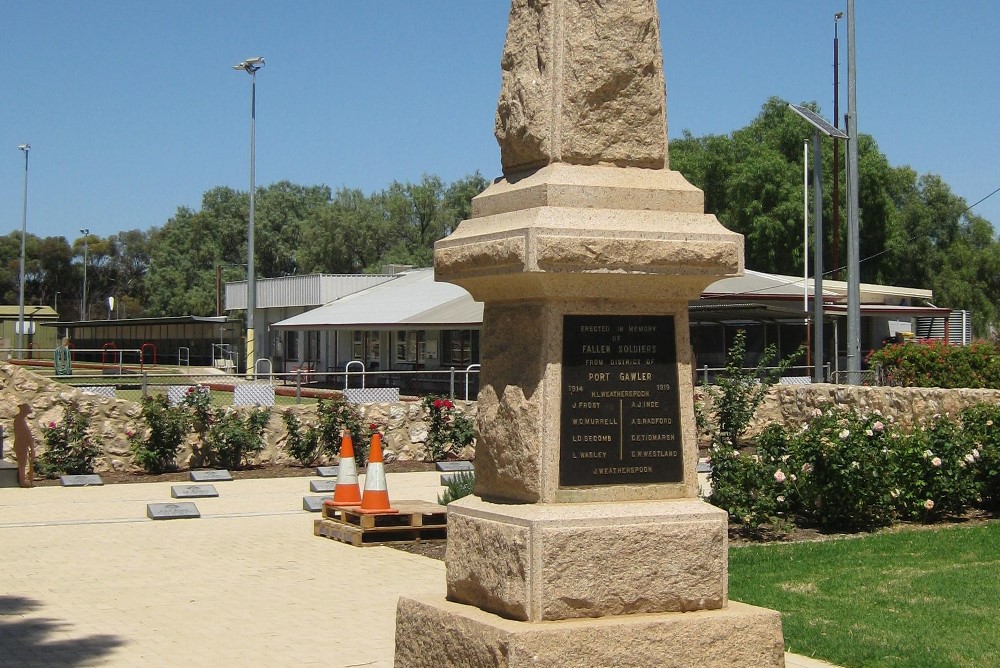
(620, 421)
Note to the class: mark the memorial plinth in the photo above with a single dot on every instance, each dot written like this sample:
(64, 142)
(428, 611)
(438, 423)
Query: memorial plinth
(586, 543)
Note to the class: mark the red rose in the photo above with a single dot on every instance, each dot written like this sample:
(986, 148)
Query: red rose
(373, 426)
(438, 403)
(52, 425)
(448, 404)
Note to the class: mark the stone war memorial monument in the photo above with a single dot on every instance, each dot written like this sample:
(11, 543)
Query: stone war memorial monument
(585, 543)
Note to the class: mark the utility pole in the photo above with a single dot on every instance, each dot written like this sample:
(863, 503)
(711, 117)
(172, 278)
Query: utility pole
(836, 146)
(853, 224)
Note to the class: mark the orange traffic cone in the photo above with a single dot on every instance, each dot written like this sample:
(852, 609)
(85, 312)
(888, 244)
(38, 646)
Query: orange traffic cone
(376, 496)
(346, 492)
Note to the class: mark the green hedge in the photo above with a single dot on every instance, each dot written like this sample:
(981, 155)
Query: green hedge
(935, 363)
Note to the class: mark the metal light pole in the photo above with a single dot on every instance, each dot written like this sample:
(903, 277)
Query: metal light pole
(250, 66)
(853, 225)
(820, 126)
(24, 228)
(83, 300)
(836, 146)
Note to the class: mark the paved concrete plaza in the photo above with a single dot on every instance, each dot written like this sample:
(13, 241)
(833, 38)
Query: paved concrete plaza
(88, 580)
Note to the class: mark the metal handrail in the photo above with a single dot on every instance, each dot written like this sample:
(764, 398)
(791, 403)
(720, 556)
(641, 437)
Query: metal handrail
(347, 372)
(468, 370)
(256, 368)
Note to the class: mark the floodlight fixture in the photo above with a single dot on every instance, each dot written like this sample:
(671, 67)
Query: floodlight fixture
(250, 65)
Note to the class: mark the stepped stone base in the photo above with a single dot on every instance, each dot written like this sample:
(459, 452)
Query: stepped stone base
(431, 634)
(541, 562)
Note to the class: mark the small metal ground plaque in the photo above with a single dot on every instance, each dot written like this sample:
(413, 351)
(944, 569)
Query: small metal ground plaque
(327, 471)
(81, 480)
(193, 491)
(322, 485)
(314, 504)
(211, 476)
(172, 511)
(455, 466)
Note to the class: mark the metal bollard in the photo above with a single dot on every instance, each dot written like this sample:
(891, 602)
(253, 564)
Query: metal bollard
(298, 386)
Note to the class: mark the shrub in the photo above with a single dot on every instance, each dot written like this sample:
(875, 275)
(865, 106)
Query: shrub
(933, 472)
(981, 424)
(166, 427)
(336, 416)
(198, 400)
(836, 468)
(304, 446)
(69, 449)
(748, 485)
(738, 391)
(936, 363)
(449, 431)
(232, 440)
(461, 484)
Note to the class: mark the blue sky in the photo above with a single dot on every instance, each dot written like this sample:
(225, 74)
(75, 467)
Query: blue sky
(132, 108)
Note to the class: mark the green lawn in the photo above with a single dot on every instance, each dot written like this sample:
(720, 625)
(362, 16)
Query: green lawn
(912, 598)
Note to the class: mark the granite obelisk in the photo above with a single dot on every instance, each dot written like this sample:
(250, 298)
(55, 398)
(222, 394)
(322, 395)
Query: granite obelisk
(585, 543)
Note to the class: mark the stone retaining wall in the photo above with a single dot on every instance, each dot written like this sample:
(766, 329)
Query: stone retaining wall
(404, 424)
(792, 405)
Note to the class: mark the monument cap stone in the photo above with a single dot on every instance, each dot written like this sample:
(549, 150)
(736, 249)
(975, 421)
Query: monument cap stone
(582, 86)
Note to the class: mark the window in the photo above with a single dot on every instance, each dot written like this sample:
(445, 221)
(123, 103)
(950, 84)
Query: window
(358, 345)
(291, 345)
(460, 348)
(365, 346)
(401, 346)
(312, 346)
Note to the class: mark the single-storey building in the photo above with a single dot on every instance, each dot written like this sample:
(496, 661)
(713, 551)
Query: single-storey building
(405, 321)
(35, 336)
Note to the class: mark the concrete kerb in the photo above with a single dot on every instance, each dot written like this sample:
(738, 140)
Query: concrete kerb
(247, 582)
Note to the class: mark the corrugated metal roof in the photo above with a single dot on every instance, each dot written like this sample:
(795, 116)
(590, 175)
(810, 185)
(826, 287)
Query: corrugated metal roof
(758, 283)
(413, 298)
(305, 290)
(30, 311)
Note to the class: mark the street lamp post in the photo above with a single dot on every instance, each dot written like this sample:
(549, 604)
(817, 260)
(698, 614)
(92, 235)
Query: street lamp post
(24, 228)
(83, 300)
(250, 66)
(853, 213)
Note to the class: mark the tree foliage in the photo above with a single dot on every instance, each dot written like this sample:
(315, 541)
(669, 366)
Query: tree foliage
(914, 231)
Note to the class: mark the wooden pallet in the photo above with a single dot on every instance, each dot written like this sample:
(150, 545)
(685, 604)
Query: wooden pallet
(415, 521)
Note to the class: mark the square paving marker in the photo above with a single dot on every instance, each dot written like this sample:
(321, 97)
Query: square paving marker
(81, 480)
(455, 466)
(314, 504)
(193, 491)
(172, 511)
(327, 471)
(322, 485)
(211, 476)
